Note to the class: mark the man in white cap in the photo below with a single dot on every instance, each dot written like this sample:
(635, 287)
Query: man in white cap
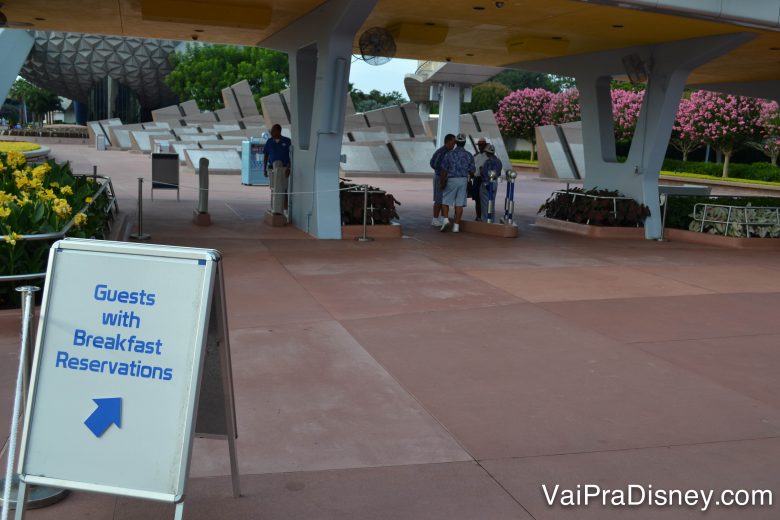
(476, 180)
(456, 168)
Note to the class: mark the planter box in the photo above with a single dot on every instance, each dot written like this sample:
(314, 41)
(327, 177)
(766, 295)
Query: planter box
(707, 239)
(274, 219)
(591, 231)
(493, 230)
(378, 232)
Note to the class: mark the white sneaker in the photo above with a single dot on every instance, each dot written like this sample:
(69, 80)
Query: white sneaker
(445, 223)
(436, 222)
(456, 228)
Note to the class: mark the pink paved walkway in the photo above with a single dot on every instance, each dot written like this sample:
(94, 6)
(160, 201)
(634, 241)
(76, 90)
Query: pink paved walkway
(449, 376)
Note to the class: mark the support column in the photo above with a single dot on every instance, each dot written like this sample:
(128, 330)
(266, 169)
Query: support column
(449, 111)
(319, 46)
(667, 67)
(15, 45)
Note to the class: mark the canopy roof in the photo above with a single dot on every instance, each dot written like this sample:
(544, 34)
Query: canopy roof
(471, 32)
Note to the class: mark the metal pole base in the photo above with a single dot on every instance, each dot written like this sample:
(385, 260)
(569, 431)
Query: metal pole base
(142, 236)
(37, 496)
(364, 239)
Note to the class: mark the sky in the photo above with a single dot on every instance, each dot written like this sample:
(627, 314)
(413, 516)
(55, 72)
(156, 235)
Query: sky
(385, 78)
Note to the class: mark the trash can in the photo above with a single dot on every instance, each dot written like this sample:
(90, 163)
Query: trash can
(252, 163)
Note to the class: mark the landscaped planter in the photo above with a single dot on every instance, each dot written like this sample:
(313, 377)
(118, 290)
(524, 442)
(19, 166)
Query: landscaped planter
(594, 213)
(708, 239)
(491, 230)
(379, 231)
(587, 230)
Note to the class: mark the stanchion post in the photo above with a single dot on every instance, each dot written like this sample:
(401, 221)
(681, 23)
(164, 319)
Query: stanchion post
(509, 201)
(365, 237)
(37, 496)
(140, 235)
(491, 197)
(201, 215)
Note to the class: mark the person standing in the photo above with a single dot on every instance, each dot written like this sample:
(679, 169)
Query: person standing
(475, 181)
(436, 161)
(491, 164)
(456, 168)
(277, 153)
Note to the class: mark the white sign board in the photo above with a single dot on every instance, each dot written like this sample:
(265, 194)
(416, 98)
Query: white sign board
(117, 368)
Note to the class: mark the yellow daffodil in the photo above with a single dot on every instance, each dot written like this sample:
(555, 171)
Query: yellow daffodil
(46, 194)
(61, 208)
(80, 219)
(54, 184)
(4, 211)
(5, 198)
(87, 200)
(22, 201)
(12, 237)
(39, 172)
(16, 159)
(22, 182)
(66, 190)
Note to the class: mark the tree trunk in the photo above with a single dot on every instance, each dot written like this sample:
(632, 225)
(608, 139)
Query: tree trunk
(726, 162)
(685, 155)
(533, 150)
(774, 158)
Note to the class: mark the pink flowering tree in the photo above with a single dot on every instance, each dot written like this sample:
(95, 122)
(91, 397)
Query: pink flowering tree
(769, 120)
(564, 107)
(727, 123)
(626, 105)
(521, 112)
(687, 134)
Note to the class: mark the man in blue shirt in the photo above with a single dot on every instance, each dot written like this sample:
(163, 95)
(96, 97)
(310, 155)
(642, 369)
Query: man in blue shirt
(436, 160)
(492, 163)
(277, 153)
(456, 168)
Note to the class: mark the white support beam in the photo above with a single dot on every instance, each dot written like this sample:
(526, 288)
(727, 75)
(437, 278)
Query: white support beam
(15, 45)
(668, 66)
(319, 45)
(449, 111)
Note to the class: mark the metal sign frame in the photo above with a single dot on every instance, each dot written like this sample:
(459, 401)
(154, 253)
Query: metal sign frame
(212, 331)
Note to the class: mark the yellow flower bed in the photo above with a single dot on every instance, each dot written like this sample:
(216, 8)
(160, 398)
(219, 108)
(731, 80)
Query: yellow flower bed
(40, 199)
(17, 146)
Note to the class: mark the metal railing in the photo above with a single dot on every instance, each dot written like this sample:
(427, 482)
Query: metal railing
(107, 187)
(736, 212)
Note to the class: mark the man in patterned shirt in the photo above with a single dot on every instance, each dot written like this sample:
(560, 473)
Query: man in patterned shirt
(456, 168)
(436, 160)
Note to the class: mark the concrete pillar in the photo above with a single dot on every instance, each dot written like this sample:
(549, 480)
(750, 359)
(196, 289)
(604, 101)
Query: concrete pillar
(319, 46)
(667, 67)
(449, 111)
(15, 45)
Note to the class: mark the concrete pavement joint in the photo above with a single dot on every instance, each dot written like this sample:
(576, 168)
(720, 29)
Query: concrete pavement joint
(638, 448)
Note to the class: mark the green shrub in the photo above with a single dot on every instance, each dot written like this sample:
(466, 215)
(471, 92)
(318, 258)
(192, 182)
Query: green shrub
(520, 155)
(761, 171)
(680, 208)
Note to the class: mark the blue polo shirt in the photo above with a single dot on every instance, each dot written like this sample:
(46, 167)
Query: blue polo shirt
(278, 150)
(458, 163)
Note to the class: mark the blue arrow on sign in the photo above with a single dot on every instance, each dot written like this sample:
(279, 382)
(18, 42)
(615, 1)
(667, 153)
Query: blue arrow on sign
(108, 412)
